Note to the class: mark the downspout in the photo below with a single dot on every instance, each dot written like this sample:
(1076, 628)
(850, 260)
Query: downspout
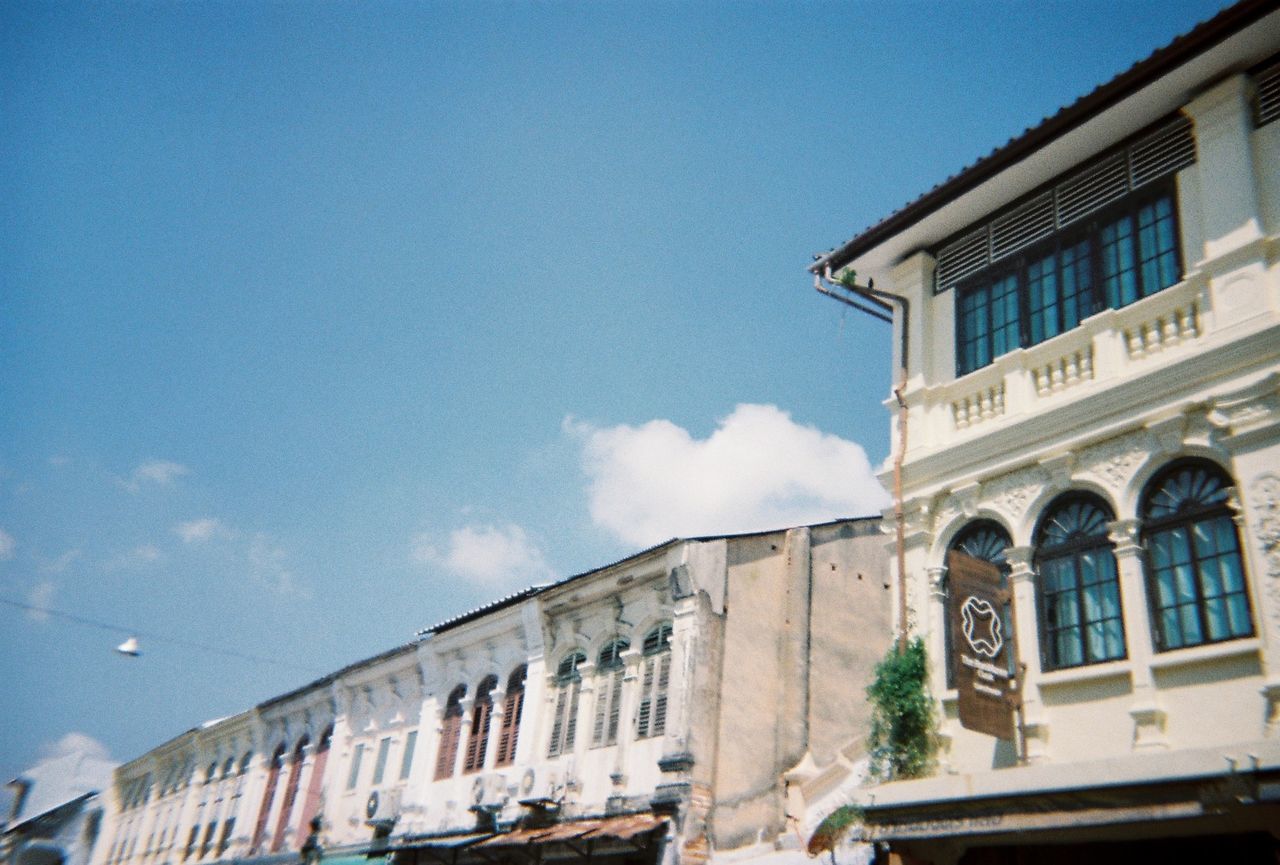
(879, 297)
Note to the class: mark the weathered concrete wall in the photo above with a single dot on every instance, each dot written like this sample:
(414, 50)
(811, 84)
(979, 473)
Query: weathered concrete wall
(807, 617)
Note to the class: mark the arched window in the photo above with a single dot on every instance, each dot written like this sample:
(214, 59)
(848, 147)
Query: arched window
(1195, 577)
(1078, 592)
(290, 793)
(986, 540)
(651, 717)
(512, 706)
(564, 727)
(450, 731)
(245, 761)
(311, 804)
(481, 713)
(609, 672)
(269, 794)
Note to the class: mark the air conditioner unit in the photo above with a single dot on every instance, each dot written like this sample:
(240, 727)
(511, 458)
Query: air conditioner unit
(490, 790)
(382, 808)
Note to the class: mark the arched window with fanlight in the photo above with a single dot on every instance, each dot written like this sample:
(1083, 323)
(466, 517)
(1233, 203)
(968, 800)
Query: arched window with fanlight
(481, 714)
(609, 674)
(450, 732)
(1195, 575)
(512, 707)
(564, 725)
(655, 679)
(985, 540)
(1078, 589)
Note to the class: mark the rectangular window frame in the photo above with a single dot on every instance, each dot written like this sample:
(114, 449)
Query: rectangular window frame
(984, 328)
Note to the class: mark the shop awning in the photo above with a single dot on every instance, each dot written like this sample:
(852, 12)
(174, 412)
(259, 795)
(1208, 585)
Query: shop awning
(622, 827)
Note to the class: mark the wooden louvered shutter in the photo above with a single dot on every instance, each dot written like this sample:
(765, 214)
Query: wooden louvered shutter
(598, 722)
(447, 755)
(645, 713)
(571, 722)
(478, 741)
(557, 725)
(660, 695)
(615, 708)
(508, 737)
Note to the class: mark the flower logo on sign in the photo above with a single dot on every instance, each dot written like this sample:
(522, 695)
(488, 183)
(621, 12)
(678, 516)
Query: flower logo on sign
(981, 626)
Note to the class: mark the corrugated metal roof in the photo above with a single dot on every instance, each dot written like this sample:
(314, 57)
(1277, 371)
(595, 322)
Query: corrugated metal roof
(621, 827)
(1161, 61)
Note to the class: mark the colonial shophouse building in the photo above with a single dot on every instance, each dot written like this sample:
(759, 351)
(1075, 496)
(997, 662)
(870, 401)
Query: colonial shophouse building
(1087, 326)
(690, 699)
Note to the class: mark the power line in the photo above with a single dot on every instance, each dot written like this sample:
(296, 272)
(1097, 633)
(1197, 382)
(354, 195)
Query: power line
(153, 636)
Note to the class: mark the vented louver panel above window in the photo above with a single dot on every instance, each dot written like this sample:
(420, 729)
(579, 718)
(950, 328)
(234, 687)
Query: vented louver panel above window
(967, 255)
(1022, 227)
(1168, 148)
(1267, 82)
(1164, 151)
(1092, 189)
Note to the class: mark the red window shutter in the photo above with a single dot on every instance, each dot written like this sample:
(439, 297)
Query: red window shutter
(311, 804)
(447, 756)
(511, 708)
(478, 741)
(268, 795)
(290, 795)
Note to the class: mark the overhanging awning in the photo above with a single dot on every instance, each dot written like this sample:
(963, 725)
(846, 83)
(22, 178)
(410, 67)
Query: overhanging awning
(628, 827)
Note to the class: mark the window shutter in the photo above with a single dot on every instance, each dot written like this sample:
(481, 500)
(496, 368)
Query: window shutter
(646, 700)
(447, 756)
(660, 698)
(615, 708)
(571, 723)
(512, 705)
(598, 723)
(557, 725)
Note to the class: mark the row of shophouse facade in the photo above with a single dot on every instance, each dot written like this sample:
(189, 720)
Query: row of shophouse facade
(1087, 337)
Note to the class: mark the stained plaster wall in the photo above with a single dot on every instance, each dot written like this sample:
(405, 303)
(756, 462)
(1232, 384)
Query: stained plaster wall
(807, 617)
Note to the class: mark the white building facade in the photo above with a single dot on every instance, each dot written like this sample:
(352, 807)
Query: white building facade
(1087, 328)
(678, 703)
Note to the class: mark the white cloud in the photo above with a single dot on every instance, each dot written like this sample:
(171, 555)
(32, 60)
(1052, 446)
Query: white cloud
(139, 556)
(78, 744)
(201, 530)
(7, 545)
(158, 472)
(40, 597)
(268, 567)
(60, 563)
(496, 557)
(758, 470)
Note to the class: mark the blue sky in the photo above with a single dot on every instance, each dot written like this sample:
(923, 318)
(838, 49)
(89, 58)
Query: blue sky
(320, 323)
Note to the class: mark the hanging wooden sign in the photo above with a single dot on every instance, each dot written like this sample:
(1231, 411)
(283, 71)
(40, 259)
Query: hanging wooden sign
(981, 646)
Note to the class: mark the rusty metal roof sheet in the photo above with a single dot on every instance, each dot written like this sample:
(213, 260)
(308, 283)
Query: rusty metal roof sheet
(621, 827)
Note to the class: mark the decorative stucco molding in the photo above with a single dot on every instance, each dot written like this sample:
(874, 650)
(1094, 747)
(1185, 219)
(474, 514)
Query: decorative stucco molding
(1114, 462)
(1264, 494)
(1012, 493)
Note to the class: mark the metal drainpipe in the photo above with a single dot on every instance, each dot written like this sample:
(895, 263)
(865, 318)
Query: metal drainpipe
(879, 296)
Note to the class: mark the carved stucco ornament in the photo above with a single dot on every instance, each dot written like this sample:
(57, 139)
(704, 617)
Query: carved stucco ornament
(1011, 494)
(1114, 462)
(1264, 494)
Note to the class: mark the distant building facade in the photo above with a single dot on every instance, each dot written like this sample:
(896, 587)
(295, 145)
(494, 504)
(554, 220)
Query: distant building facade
(56, 817)
(1087, 324)
(678, 703)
